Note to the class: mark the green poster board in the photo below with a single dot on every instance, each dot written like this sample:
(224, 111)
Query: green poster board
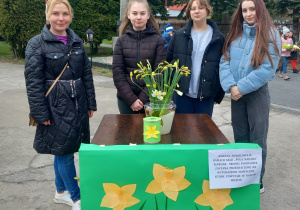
(123, 165)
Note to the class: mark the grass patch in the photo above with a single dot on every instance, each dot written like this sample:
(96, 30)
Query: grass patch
(6, 55)
(102, 71)
(5, 51)
(102, 51)
(106, 41)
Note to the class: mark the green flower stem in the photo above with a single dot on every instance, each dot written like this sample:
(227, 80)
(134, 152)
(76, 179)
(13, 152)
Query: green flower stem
(156, 204)
(166, 203)
(142, 206)
(165, 79)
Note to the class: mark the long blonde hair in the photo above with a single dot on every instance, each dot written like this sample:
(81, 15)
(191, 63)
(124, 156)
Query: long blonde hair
(126, 22)
(52, 3)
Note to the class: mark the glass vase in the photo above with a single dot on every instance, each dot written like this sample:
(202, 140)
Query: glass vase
(164, 110)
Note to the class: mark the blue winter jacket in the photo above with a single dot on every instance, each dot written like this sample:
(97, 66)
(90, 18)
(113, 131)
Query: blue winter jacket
(238, 71)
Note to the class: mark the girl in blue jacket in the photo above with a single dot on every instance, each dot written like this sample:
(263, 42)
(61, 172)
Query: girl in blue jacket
(250, 57)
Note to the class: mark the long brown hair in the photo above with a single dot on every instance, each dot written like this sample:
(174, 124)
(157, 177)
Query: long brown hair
(126, 22)
(264, 27)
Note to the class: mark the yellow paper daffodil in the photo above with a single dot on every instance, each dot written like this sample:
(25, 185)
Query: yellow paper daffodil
(118, 198)
(151, 132)
(218, 199)
(168, 181)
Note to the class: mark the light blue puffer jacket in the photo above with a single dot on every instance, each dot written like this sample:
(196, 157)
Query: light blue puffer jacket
(238, 71)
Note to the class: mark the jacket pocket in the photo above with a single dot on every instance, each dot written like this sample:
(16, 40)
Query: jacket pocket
(54, 56)
(76, 51)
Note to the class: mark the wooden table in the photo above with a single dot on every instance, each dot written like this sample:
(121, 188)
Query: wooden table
(119, 129)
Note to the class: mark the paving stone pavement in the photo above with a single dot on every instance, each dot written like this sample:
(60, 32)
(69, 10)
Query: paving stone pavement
(27, 178)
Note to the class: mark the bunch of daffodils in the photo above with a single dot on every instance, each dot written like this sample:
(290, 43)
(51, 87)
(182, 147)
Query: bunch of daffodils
(161, 82)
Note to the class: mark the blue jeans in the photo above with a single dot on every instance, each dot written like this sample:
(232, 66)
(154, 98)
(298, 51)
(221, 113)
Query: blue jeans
(250, 120)
(284, 64)
(188, 105)
(65, 172)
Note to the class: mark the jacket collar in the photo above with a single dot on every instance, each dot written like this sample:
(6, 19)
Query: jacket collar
(249, 30)
(48, 36)
(134, 34)
(216, 31)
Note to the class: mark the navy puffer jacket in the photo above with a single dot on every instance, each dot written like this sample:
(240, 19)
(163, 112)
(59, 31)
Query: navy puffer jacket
(68, 103)
(130, 49)
(181, 47)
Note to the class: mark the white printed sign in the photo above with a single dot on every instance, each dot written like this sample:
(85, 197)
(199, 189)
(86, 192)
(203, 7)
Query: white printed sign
(233, 168)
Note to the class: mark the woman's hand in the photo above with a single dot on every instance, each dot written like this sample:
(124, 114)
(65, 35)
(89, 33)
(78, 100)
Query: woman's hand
(91, 113)
(235, 93)
(47, 122)
(137, 105)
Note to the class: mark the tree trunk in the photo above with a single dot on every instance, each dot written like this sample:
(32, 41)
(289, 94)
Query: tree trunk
(13, 50)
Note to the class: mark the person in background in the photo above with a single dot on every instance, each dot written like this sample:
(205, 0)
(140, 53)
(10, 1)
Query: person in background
(285, 52)
(167, 35)
(140, 41)
(294, 55)
(63, 116)
(251, 54)
(198, 46)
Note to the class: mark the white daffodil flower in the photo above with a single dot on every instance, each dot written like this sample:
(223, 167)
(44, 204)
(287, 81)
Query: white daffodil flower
(158, 94)
(154, 93)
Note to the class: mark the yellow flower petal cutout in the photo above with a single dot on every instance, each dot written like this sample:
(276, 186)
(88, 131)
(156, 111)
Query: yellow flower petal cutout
(168, 181)
(110, 200)
(151, 132)
(154, 187)
(218, 199)
(158, 171)
(110, 187)
(119, 198)
(129, 189)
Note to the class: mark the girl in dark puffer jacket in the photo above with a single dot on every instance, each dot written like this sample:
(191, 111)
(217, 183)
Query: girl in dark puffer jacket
(140, 40)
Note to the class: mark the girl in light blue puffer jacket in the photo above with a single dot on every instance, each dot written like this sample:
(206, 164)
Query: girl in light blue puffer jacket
(250, 57)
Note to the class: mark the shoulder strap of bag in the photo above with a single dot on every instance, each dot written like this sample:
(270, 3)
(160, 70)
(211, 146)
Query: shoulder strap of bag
(52, 86)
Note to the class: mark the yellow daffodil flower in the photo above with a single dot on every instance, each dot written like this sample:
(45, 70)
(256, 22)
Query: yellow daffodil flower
(218, 199)
(119, 198)
(168, 181)
(151, 132)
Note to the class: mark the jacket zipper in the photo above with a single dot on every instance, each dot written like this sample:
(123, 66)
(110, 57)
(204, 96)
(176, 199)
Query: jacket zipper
(202, 80)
